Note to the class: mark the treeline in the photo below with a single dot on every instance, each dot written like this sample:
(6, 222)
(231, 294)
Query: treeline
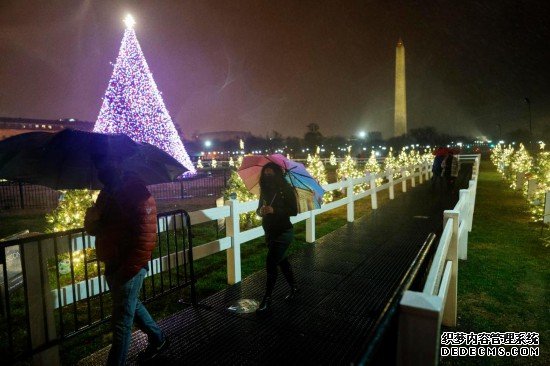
(274, 141)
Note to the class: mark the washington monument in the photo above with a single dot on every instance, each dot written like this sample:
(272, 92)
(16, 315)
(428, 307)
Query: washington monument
(400, 119)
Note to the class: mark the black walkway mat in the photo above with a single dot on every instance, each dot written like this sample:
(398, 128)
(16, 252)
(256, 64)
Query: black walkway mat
(345, 280)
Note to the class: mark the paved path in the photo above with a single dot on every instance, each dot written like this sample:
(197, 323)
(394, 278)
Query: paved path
(345, 278)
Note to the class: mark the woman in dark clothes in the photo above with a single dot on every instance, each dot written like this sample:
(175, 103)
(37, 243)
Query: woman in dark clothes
(277, 204)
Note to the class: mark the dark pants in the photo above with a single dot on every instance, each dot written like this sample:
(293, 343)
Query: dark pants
(276, 256)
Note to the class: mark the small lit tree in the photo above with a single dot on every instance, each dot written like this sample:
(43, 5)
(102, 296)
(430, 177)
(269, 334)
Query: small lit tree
(347, 169)
(541, 172)
(391, 163)
(236, 189)
(69, 214)
(316, 168)
(373, 167)
(521, 163)
(403, 161)
(332, 160)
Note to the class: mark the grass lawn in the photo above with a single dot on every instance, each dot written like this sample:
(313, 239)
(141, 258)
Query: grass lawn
(504, 284)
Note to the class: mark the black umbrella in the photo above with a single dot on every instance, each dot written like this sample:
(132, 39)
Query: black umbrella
(65, 160)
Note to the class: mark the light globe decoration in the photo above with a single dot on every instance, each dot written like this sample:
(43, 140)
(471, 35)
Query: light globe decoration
(133, 105)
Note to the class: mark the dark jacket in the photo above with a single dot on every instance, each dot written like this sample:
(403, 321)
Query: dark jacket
(126, 232)
(284, 205)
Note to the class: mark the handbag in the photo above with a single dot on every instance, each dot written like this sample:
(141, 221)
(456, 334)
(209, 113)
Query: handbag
(304, 200)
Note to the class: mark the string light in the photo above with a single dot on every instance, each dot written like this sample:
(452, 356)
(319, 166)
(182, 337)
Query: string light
(133, 105)
(316, 168)
(372, 167)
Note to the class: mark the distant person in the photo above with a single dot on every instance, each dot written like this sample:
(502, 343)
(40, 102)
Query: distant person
(437, 168)
(124, 222)
(450, 167)
(277, 204)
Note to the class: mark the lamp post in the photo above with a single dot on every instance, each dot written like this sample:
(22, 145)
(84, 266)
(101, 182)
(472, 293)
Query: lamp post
(499, 131)
(530, 124)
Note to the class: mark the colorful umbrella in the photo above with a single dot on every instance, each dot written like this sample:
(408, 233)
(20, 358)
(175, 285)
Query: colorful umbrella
(307, 188)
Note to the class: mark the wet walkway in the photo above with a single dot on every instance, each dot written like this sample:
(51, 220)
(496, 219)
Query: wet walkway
(345, 278)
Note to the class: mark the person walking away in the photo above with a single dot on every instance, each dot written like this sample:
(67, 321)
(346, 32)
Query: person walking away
(124, 222)
(277, 204)
(450, 169)
(437, 170)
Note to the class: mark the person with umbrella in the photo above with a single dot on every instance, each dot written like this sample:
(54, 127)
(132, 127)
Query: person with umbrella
(124, 222)
(277, 204)
(124, 219)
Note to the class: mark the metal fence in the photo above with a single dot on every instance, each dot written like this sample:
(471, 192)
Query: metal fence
(52, 286)
(22, 196)
(207, 183)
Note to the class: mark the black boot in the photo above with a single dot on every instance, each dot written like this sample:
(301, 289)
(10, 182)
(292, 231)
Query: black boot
(286, 268)
(265, 306)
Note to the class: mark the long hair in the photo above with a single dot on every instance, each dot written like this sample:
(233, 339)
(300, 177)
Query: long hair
(278, 178)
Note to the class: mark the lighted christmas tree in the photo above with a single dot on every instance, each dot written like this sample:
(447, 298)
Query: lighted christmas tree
(69, 214)
(541, 172)
(236, 189)
(316, 168)
(347, 169)
(427, 157)
(521, 163)
(199, 164)
(403, 161)
(332, 160)
(373, 167)
(390, 163)
(133, 105)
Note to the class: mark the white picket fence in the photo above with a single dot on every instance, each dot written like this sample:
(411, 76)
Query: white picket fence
(422, 313)
(234, 238)
(42, 300)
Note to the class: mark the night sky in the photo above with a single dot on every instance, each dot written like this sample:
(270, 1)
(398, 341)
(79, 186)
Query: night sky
(261, 66)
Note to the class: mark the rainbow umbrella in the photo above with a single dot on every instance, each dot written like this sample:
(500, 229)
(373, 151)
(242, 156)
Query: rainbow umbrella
(308, 190)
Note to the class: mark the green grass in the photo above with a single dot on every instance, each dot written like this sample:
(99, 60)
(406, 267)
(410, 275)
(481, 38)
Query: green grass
(503, 286)
(16, 222)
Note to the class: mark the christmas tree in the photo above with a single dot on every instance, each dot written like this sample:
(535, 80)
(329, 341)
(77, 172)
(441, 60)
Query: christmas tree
(332, 160)
(521, 163)
(133, 105)
(316, 168)
(403, 161)
(390, 163)
(237, 190)
(69, 214)
(347, 169)
(372, 167)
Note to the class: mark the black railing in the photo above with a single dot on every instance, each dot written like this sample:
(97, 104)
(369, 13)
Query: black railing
(207, 183)
(52, 286)
(24, 196)
(378, 338)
